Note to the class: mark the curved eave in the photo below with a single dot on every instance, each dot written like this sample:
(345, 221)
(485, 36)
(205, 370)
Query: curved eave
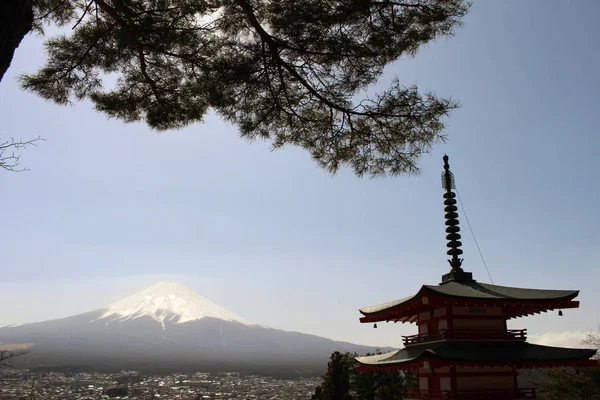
(409, 363)
(530, 308)
(518, 365)
(506, 295)
(403, 310)
(406, 309)
(523, 355)
(376, 309)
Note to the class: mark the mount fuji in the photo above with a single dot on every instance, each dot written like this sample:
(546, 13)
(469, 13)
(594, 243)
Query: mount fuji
(168, 301)
(169, 327)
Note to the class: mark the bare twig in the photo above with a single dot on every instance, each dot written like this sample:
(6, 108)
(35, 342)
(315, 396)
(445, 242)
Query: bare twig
(9, 159)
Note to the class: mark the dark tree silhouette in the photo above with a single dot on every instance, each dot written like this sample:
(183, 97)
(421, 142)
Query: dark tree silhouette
(569, 384)
(290, 71)
(16, 20)
(336, 381)
(342, 382)
(379, 385)
(7, 354)
(382, 385)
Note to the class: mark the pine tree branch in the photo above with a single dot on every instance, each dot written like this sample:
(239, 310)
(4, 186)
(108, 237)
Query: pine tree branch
(398, 4)
(112, 12)
(43, 17)
(87, 8)
(274, 50)
(287, 71)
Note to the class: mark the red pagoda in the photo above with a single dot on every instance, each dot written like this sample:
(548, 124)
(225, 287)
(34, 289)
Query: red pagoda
(463, 349)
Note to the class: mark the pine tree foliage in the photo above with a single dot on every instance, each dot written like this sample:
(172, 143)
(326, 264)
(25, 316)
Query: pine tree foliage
(342, 382)
(337, 380)
(293, 72)
(569, 384)
(381, 385)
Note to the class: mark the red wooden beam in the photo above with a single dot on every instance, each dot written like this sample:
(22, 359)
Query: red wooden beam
(515, 308)
(435, 363)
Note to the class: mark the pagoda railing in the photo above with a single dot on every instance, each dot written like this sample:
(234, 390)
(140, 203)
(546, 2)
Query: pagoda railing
(487, 394)
(466, 334)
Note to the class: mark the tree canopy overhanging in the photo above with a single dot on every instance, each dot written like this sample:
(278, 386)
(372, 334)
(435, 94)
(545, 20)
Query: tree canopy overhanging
(289, 71)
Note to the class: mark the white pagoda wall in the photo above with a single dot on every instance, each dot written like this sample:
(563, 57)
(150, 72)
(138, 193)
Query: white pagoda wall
(490, 324)
(435, 313)
(445, 383)
(484, 382)
(481, 381)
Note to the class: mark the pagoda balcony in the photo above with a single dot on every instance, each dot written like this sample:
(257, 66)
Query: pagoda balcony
(466, 334)
(487, 394)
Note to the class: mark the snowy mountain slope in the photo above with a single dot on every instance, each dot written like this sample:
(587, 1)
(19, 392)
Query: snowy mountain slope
(170, 301)
(168, 327)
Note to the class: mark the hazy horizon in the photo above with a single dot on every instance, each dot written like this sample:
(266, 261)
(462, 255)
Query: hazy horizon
(108, 209)
(563, 338)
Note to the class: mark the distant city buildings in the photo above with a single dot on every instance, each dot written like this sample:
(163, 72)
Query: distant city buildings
(21, 384)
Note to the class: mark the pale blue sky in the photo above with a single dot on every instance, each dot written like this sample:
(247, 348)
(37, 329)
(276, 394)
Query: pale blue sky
(108, 209)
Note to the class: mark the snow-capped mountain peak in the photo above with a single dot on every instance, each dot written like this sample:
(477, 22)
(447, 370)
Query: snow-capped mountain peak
(168, 301)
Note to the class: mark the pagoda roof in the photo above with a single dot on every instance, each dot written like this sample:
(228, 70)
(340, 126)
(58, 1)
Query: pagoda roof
(522, 354)
(479, 290)
(482, 292)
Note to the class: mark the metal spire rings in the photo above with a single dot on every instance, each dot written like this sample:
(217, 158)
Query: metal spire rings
(452, 228)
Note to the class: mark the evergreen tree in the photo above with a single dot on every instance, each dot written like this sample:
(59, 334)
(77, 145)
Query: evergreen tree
(569, 384)
(336, 382)
(288, 71)
(365, 386)
(379, 385)
(390, 385)
(342, 382)
(565, 384)
(319, 395)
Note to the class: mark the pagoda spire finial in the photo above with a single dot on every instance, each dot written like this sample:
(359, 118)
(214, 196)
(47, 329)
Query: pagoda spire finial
(452, 228)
